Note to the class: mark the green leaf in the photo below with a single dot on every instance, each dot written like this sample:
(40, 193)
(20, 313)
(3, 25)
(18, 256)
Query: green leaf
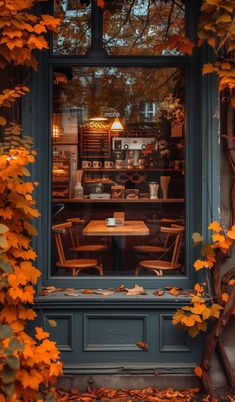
(3, 283)
(206, 250)
(5, 331)
(5, 266)
(14, 344)
(9, 389)
(3, 242)
(7, 375)
(13, 362)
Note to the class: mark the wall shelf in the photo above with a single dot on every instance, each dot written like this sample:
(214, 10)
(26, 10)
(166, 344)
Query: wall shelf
(90, 170)
(119, 200)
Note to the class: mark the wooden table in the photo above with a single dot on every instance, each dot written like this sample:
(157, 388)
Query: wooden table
(130, 228)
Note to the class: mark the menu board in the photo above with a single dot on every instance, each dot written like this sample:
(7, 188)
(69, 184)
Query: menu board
(95, 142)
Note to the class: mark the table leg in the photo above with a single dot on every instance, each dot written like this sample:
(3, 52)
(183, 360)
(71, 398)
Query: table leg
(116, 251)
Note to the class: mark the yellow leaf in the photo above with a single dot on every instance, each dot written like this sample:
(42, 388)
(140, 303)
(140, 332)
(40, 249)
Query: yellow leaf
(224, 18)
(215, 310)
(215, 226)
(231, 232)
(232, 282)
(197, 237)
(199, 264)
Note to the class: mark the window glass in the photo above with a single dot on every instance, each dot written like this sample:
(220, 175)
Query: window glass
(138, 27)
(118, 171)
(74, 33)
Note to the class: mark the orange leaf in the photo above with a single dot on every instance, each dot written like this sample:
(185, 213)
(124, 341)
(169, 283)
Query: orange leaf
(198, 372)
(142, 345)
(40, 334)
(215, 226)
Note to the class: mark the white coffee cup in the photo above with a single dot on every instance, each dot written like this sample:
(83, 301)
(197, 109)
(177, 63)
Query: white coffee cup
(86, 164)
(119, 163)
(130, 163)
(141, 163)
(108, 164)
(97, 164)
(111, 221)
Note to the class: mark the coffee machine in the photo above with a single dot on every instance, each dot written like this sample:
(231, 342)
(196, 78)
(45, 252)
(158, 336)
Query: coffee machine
(130, 147)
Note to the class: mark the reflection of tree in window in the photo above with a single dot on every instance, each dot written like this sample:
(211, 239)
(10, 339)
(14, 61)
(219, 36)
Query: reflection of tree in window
(122, 89)
(138, 26)
(74, 33)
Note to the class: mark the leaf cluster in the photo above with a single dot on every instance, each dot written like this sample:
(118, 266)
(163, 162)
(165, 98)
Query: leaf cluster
(22, 32)
(193, 317)
(32, 361)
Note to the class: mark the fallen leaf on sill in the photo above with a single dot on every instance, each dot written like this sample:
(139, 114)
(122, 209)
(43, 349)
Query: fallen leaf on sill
(50, 289)
(88, 291)
(142, 345)
(104, 292)
(71, 293)
(137, 290)
(159, 292)
(121, 288)
(174, 291)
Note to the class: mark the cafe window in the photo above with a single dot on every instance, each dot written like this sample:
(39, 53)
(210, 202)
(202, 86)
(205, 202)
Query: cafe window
(119, 141)
(119, 174)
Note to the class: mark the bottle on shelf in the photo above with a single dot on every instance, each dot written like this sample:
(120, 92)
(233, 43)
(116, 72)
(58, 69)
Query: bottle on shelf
(78, 188)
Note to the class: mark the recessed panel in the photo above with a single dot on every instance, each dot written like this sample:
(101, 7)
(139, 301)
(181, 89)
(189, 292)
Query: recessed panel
(63, 332)
(171, 338)
(114, 332)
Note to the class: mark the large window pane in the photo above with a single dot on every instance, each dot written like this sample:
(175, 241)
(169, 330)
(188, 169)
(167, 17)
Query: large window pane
(74, 32)
(118, 149)
(137, 27)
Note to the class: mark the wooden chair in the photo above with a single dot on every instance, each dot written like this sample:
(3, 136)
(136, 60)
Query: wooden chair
(75, 240)
(76, 265)
(158, 266)
(143, 248)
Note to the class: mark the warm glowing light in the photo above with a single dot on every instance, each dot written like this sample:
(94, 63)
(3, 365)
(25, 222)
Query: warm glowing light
(57, 127)
(98, 119)
(117, 125)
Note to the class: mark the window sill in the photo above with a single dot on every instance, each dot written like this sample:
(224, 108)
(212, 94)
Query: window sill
(58, 298)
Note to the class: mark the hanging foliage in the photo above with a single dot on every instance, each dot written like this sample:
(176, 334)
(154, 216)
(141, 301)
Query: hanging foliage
(28, 365)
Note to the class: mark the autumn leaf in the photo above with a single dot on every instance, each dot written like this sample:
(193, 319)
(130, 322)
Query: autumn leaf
(142, 345)
(197, 238)
(198, 372)
(40, 334)
(137, 290)
(215, 226)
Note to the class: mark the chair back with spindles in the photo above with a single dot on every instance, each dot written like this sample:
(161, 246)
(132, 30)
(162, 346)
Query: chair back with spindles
(74, 231)
(178, 232)
(58, 231)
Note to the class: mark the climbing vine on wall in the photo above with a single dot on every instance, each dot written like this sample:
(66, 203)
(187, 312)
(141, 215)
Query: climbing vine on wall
(28, 364)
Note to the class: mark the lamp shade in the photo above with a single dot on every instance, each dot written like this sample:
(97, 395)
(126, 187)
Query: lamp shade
(117, 125)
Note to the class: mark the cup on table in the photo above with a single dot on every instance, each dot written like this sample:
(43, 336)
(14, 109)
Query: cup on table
(110, 221)
(130, 163)
(119, 163)
(97, 164)
(141, 163)
(108, 164)
(86, 164)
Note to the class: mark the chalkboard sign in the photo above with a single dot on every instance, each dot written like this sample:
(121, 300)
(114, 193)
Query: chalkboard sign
(95, 142)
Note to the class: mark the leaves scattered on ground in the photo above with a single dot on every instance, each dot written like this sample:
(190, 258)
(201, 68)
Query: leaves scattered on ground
(149, 394)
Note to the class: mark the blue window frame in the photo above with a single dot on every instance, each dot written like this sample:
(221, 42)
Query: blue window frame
(202, 153)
